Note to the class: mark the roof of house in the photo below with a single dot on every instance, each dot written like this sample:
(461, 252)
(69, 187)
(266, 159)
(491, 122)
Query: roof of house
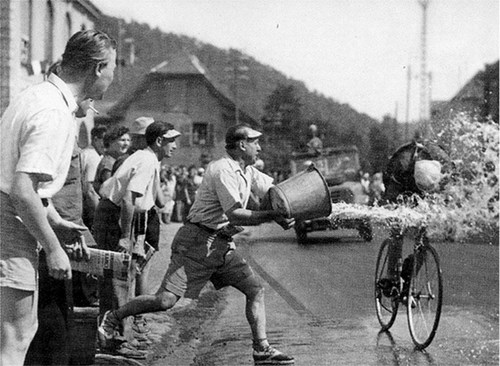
(180, 65)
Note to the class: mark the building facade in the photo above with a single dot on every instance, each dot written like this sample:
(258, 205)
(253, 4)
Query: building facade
(33, 34)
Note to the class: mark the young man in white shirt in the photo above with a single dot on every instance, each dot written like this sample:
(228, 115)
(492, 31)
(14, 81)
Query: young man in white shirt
(121, 217)
(40, 131)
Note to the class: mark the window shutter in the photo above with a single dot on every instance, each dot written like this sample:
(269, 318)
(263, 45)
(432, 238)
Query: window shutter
(186, 135)
(210, 135)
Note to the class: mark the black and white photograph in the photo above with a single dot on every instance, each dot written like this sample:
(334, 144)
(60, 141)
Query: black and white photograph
(249, 182)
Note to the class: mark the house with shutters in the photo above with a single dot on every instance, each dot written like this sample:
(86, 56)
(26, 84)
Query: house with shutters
(180, 91)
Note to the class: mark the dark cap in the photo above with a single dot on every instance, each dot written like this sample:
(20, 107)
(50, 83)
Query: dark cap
(239, 133)
(160, 129)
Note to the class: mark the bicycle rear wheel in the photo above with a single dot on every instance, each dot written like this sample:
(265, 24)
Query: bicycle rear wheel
(425, 296)
(386, 303)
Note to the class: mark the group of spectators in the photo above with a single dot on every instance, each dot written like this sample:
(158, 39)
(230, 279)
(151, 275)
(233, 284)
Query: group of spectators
(373, 187)
(179, 186)
(101, 161)
(56, 201)
(107, 150)
(178, 183)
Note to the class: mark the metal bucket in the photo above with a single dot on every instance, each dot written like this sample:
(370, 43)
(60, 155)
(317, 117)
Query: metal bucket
(303, 196)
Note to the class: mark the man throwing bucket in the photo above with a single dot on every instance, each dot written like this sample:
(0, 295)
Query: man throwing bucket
(203, 249)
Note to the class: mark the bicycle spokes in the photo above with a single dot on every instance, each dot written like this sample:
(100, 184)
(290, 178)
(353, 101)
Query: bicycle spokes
(415, 282)
(386, 294)
(425, 297)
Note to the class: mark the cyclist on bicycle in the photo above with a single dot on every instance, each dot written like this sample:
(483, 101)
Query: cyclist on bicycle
(414, 169)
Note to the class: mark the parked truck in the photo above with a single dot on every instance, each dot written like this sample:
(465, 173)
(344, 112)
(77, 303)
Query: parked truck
(341, 169)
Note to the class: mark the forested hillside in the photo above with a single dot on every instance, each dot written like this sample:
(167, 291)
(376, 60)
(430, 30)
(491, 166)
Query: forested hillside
(339, 123)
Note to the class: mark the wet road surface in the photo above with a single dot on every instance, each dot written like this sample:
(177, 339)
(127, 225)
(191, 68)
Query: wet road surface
(320, 306)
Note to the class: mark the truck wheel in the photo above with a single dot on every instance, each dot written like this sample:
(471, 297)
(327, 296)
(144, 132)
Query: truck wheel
(365, 231)
(301, 235)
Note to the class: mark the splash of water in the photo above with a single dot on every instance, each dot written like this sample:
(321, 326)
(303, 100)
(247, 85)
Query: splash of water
(467, 203)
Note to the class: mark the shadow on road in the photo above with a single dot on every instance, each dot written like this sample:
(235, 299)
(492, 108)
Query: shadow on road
(333, 240)
(387, 348)
(310, 241)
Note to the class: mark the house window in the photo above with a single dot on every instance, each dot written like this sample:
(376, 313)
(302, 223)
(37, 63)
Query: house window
(197, 134)
(200, 133)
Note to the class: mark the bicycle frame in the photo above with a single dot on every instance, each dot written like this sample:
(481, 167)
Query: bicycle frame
(415, 282)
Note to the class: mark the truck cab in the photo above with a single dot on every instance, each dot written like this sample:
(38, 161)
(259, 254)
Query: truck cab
(340, 167)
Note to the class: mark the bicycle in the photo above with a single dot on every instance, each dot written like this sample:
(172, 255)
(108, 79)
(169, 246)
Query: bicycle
(416, 283)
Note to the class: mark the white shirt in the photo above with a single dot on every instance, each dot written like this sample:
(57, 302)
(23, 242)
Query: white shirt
(38, 132)
(139, 173)
(225, 185)
(90, 160)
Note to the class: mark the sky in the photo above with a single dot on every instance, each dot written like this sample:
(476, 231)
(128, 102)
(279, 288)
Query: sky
(354, 51)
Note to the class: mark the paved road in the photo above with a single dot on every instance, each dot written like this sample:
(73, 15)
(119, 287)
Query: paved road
(320, 304)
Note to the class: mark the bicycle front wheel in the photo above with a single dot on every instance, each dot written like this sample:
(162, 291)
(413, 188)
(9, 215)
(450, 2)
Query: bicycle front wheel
(386, 303)
(425, 296)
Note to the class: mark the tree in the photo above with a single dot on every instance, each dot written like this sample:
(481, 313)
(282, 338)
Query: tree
(379, 148)
(391, 130)
(283, 107)
(282, 126)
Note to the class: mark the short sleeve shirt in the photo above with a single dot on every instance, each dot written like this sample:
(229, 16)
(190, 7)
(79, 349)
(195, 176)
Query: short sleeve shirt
(38, 131)
(90, 160)
(139, 173)
(225, 185)
(106, 163)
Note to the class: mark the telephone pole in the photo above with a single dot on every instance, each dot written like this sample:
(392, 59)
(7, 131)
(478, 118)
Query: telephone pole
(237, 71)
(424, 88)
(408, 89)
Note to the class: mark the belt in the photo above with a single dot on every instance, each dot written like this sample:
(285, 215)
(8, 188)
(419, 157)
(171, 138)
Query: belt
(221, 233)
(203, 227)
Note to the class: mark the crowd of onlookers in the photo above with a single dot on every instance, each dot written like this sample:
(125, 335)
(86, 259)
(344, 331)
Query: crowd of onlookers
(373, 187)
(102, 158)
(179, 185)
(95, 167)
(58, 200)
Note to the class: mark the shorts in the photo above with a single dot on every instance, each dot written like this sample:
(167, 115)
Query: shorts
(199, 256)
(18, 250)
(106, 226)
(153, 229)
